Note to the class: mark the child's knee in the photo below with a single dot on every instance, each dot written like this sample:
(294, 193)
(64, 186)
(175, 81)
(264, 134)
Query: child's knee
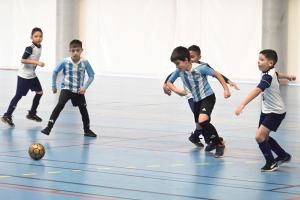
(40, 92)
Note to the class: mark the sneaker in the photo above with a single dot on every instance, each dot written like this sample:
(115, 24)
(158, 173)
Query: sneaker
(270, 166)
(220, 150)
(211, 146)
(287, 159)
(196, 141)
(46, 130)
(8, 120)
(89, 133)
(33, 117)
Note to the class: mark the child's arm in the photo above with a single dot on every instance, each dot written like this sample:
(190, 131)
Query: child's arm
(223, 83)
(91, 74)
(58, 68)
(170, 84)
(165, 86)
(285, 76)
(25, 60)
(249, 98)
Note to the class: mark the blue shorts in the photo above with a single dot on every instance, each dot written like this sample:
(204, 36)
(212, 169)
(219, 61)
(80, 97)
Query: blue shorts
(271, 120)
(24, 85)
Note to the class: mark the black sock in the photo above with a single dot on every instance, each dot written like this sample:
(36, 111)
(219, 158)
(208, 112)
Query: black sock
(266, 150)
(276, 148)
(13, 105)
(210, 132)
(35, 103)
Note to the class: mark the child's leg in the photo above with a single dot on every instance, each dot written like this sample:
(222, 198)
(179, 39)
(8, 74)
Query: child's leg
(261, 135)
(85, 118)
(198, 131)
(209, 129)
(36, 102)
(276, 148)
(13, 105)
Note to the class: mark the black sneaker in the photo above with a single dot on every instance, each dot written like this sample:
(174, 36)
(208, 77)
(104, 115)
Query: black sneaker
(287, 159)
(220, 150)
(196, 141)
(211, 146)
(8, 120)
(89, 133)
(46, 130)
(270, 166)
(33, 117)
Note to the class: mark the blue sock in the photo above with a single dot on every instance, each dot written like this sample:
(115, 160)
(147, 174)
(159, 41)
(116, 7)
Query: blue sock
(266, 150)
(35, 103)
(276, 148)
(13, 105)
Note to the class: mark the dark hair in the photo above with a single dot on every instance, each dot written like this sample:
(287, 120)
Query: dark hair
(270, 55)
(180, 53)
(36, 29)
(75, 43)
(196, 49)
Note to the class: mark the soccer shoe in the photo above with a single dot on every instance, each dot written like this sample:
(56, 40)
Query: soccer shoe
(89, 133)
(211, 146)
(196, 141)
(220, 150)
(270, 166)
(7, 120)
(33, 117)
(287, 159)
(46, 130)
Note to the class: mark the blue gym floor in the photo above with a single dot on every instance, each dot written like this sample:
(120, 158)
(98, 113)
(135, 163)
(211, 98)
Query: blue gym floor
(142, 149)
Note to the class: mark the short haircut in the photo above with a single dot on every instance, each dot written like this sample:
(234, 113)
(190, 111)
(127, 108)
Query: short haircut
(180, 53)
(270, 55)
(36, 29)
(196, 49)
(75, 43)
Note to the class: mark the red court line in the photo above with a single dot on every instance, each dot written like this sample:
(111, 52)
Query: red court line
(54, 192)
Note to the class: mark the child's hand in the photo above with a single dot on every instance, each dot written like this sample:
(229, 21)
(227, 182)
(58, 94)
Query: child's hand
(226, 94)
(40, 64)
(232, 84)
(167, 90)
(238, 111)
(181, 92)
(54, 90)
(291, 77)
(81, 90)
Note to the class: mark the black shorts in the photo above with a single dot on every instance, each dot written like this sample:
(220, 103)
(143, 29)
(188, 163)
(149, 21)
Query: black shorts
(271, 120)
(76, 99)
(24, 85)
(204, 106)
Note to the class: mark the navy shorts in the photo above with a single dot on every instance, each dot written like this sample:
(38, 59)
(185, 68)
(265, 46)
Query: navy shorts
(24, 85)
(271, 120)
(204, 106)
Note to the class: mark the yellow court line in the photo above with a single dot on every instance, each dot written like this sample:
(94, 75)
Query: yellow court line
(76, 170)
(153, 166)
(5, 176)
(103, 168)
(250, 162)
(202, 163)
(227, 163)
(176, 165)
(57, 172)
(130, 167)
(30, 174)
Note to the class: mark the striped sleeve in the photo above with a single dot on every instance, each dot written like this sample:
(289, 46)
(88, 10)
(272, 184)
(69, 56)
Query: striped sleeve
(174, 76)
(27, 52)
(265, 82)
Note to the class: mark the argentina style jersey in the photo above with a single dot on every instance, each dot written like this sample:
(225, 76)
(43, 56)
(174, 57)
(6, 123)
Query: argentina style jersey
(195, 80)
(73, 74)
(32, 52)
(271, 97)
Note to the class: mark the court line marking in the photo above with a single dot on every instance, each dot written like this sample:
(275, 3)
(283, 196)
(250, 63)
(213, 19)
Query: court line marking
(251, 162)
(227, 163)
(152, 166)
(29, 174)
(130, 167)
(5, 176)
(56, 172)
(103, 168)
(177, 165)
(77, 170)
(202, 163)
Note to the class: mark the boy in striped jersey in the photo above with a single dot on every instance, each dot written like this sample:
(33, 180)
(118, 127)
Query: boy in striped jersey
(273, 110)
(73, 86)
(194, 77)
(27, 79)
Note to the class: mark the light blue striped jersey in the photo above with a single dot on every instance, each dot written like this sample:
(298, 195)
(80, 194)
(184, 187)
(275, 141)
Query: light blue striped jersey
(195, 80)
(74, 74)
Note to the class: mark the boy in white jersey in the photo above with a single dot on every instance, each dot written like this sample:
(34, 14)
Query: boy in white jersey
(194, 77)
(27, 79)
(195, 53)
(73, 86)
(273, 110)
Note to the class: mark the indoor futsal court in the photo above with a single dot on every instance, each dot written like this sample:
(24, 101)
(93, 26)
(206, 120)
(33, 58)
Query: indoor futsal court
(142, 149)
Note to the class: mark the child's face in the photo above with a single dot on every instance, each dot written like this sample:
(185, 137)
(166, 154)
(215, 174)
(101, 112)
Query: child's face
(264, 64)
(182, 65)
(194, 57)
(76, 52)
(37, 37)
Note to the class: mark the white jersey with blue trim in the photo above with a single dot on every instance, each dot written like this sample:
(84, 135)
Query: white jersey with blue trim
(195, 80)
(32, 52)
(73, 73)
(271, 98)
